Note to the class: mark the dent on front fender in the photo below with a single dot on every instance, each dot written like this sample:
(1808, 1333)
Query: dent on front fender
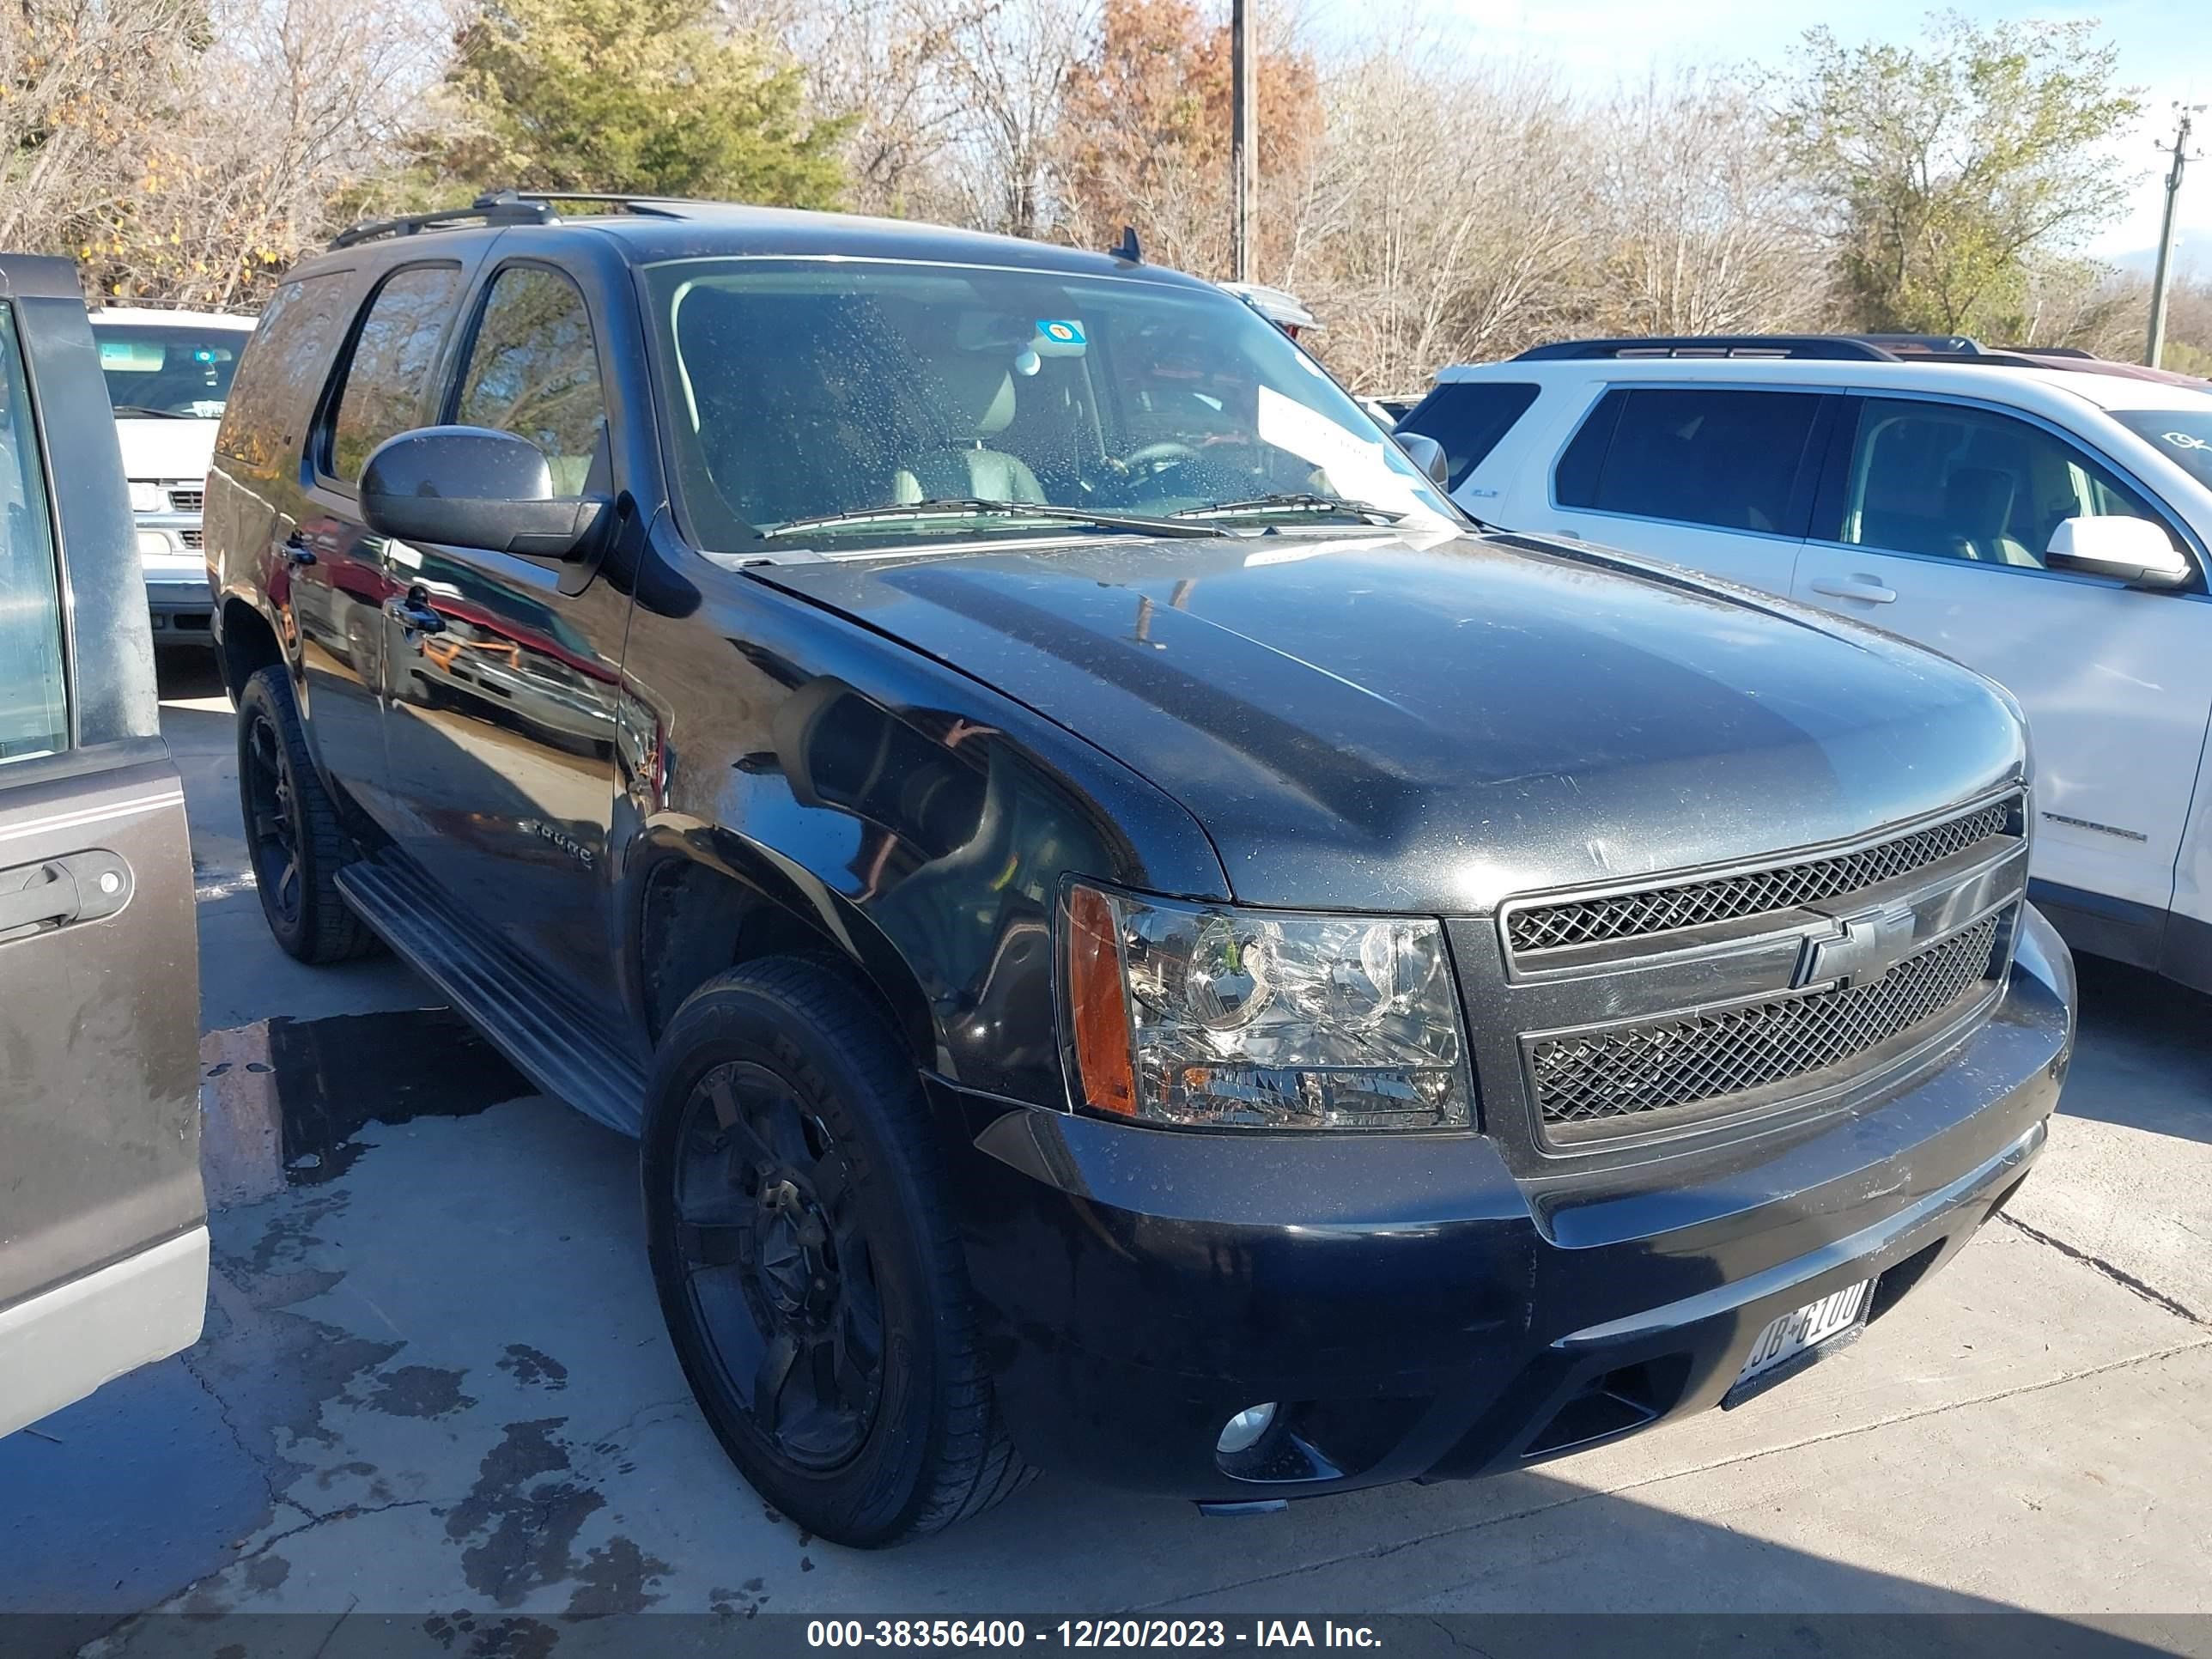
(913, 819)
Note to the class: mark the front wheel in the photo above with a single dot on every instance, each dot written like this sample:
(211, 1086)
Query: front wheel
(807, 1263)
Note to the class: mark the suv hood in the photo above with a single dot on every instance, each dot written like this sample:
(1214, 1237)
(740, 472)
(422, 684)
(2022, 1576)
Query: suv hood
(1373, 722)
(167, 449)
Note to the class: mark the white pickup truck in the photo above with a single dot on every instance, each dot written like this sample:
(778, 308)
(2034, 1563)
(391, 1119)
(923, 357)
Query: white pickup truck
(168, 375)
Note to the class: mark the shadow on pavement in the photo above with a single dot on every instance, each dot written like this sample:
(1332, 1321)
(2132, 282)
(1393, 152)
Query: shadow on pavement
(2146, 1061)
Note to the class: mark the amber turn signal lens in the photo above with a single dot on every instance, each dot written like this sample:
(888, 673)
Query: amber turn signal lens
(1098, 1006)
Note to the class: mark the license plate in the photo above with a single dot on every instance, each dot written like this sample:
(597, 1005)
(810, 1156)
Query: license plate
(1794, 1335)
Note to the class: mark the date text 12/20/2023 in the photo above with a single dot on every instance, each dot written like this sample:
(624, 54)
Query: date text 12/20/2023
(1087, 1633)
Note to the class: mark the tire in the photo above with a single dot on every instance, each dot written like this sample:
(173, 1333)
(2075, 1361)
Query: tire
(292, 832)
(803, 1251)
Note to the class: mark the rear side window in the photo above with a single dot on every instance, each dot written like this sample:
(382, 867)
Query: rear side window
(1468, 417)
(390, 370)
(282, 372)
(33, 705)
(1725, 459)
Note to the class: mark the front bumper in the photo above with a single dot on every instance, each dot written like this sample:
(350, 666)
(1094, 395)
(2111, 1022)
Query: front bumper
(1420, 1312)
(170, 550)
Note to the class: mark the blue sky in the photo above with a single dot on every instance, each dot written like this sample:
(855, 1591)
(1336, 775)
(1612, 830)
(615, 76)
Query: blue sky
(2164, 45)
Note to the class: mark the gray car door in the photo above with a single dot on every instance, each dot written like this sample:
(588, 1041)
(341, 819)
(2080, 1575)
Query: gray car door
(103, 1234)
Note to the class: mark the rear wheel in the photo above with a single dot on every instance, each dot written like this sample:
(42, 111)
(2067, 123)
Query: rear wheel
(806, 1263)
(292, 831)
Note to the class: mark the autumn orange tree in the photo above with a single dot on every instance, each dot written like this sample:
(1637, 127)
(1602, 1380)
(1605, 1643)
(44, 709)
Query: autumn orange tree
(1145, 129)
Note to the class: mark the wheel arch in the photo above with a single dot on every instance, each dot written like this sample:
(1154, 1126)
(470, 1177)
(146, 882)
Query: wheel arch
(702, 900)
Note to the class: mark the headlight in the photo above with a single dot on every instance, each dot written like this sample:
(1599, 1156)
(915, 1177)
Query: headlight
(152, 544)
(1209, 1016)
(148, 498)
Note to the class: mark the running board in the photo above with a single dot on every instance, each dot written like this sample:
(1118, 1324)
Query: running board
(551, 1037)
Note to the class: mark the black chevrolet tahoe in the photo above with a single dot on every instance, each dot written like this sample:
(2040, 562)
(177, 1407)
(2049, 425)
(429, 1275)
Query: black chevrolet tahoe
(1135, 939)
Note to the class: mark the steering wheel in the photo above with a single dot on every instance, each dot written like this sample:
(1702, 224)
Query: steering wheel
(1160, 456)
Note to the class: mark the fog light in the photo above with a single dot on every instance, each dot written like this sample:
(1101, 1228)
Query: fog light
(1242, 1432)
(154, 541)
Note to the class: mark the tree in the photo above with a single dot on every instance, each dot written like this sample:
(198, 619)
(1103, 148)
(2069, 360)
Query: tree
(1144, 133)
(1700, 231)
(644, 97)
(1941, 170)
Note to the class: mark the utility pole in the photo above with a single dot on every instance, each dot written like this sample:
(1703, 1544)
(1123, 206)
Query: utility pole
(1243, 149)
(2163, 271)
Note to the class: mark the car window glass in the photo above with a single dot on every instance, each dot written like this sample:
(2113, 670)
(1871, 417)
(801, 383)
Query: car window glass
(390, 369)
(1468, 417)
(1960, 483)
(806, 388)
(168, 371)
(1726, 458)
(2184, 436)
(33, 707)
(281, 372)
(532, 371)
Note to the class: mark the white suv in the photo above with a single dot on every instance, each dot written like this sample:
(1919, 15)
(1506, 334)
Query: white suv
(168, 375)
(2044, 519)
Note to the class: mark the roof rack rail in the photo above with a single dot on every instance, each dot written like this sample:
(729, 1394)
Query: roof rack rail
(1925, 345)
(508, 207)
(1833, 347)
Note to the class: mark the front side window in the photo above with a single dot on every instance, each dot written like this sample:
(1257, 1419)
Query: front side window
(533, 371)
(392, 357)
(1727, 459)
(1956, 482)
(2184, 436)
(33, 701)
(801, 389)
(178, 371)
(1468, 417)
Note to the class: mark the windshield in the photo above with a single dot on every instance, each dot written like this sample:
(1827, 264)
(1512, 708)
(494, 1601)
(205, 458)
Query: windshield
(801, 389)
(168, 369)
(2183, 435)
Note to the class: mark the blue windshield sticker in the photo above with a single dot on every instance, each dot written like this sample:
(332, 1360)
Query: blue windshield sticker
(1060, 333)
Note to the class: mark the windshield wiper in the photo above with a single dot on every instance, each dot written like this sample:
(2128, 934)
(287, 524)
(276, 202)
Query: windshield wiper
(1292, 501)
(140, 412)
(976, 508)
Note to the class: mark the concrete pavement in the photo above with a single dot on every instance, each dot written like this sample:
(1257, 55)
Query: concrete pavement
(434, 1382)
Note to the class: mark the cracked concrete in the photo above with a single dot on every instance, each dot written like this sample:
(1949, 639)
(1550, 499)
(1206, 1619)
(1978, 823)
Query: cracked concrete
(434, 1392)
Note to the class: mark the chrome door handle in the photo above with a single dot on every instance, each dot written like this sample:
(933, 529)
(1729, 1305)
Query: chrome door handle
(1858, 587)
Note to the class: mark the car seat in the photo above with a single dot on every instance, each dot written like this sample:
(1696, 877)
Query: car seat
(972, 393)
(1978, 508)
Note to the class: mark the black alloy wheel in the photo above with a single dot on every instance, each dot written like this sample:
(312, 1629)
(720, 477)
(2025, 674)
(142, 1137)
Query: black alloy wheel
(807, 1260)
(775, 1267)
(292, 836)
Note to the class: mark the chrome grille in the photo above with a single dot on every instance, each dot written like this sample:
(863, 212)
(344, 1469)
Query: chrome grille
(1702, 1059)
(187, 501)
(1727, 898)
(190, 538)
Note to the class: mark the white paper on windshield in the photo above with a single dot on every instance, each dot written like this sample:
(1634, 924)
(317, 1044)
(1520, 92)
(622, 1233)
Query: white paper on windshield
(1356, 467)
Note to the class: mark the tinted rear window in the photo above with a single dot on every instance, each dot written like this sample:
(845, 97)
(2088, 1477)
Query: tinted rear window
(281, 372)
(1468, 417)
(1725, 459)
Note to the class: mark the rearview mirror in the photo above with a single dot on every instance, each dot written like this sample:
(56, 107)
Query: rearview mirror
(467, 486)
(2136, 550)
(1427, 454)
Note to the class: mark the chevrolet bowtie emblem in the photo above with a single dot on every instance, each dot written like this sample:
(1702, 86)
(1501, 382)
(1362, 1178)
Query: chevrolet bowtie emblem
(1860, 948)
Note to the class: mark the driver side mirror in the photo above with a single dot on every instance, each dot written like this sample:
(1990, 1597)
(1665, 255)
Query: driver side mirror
(467, 486)
(2136, 550)
(1427, 454)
